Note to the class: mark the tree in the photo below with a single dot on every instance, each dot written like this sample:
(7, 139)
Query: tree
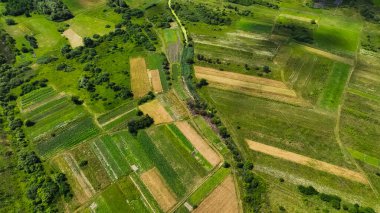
(10, 21)
(76, 100)
(29, 123)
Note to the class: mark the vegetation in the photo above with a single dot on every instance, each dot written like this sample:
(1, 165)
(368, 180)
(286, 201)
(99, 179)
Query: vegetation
(55, 9)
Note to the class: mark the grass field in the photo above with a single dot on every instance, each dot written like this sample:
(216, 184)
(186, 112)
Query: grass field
(295, 129)
(111, 157)
(122, 196)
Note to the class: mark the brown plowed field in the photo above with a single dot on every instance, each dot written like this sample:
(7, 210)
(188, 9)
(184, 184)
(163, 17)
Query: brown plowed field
(198, 142)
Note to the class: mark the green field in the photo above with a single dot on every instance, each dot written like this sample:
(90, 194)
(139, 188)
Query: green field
(76, 132)
(122, 196)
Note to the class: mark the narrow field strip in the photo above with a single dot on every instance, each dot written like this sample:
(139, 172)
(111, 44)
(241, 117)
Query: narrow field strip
(306, 161)
(222, 200)
(199, 143)
(328, 55)
(112, 174)
(157, 187)
(115, 118)
(249, 85)
(243, 81)
(155, 81)
(156, 111)
(139, 77)
(239, 77)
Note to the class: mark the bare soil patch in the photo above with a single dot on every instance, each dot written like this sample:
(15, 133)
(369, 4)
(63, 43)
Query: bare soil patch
(222, 200)
(156, 111)
(74, 39)
(156, 81)
(139, 77)
(198, 142)
(306, 161)
(157, 187)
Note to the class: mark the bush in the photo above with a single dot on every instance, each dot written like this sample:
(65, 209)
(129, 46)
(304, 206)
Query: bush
(83, 163)
(10, 21)
(29, 123)
(141, 123)
(76, 100)
(308, 190)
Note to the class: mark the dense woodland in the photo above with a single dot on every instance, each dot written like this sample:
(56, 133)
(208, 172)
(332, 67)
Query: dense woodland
(55, 9)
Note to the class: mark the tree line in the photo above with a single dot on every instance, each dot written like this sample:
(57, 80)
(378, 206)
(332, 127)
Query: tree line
(55, 9)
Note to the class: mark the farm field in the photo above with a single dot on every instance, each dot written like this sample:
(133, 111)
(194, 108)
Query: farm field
(156, 111)
(139, 77)
(190, 106)
(222, 199)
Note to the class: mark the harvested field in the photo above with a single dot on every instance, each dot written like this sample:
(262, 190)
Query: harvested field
(139, 77)
(249, 85)
(198, 142)
(74, 39)
(222, 199)
(298, 18)
(155, 80)
(306, 161)
(157, 187)
(156, 111)
(329, 55)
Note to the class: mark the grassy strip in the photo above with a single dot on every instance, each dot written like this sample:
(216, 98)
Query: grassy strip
(121, 122)
(333, 91)
(188, 146)
(114, 156)
(117, 111)
(133, 151)
(208, 133)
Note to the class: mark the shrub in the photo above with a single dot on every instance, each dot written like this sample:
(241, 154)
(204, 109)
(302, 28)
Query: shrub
(76, 100)
(83, 163)
(308, 190)
(29, 123)
(10, 21)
